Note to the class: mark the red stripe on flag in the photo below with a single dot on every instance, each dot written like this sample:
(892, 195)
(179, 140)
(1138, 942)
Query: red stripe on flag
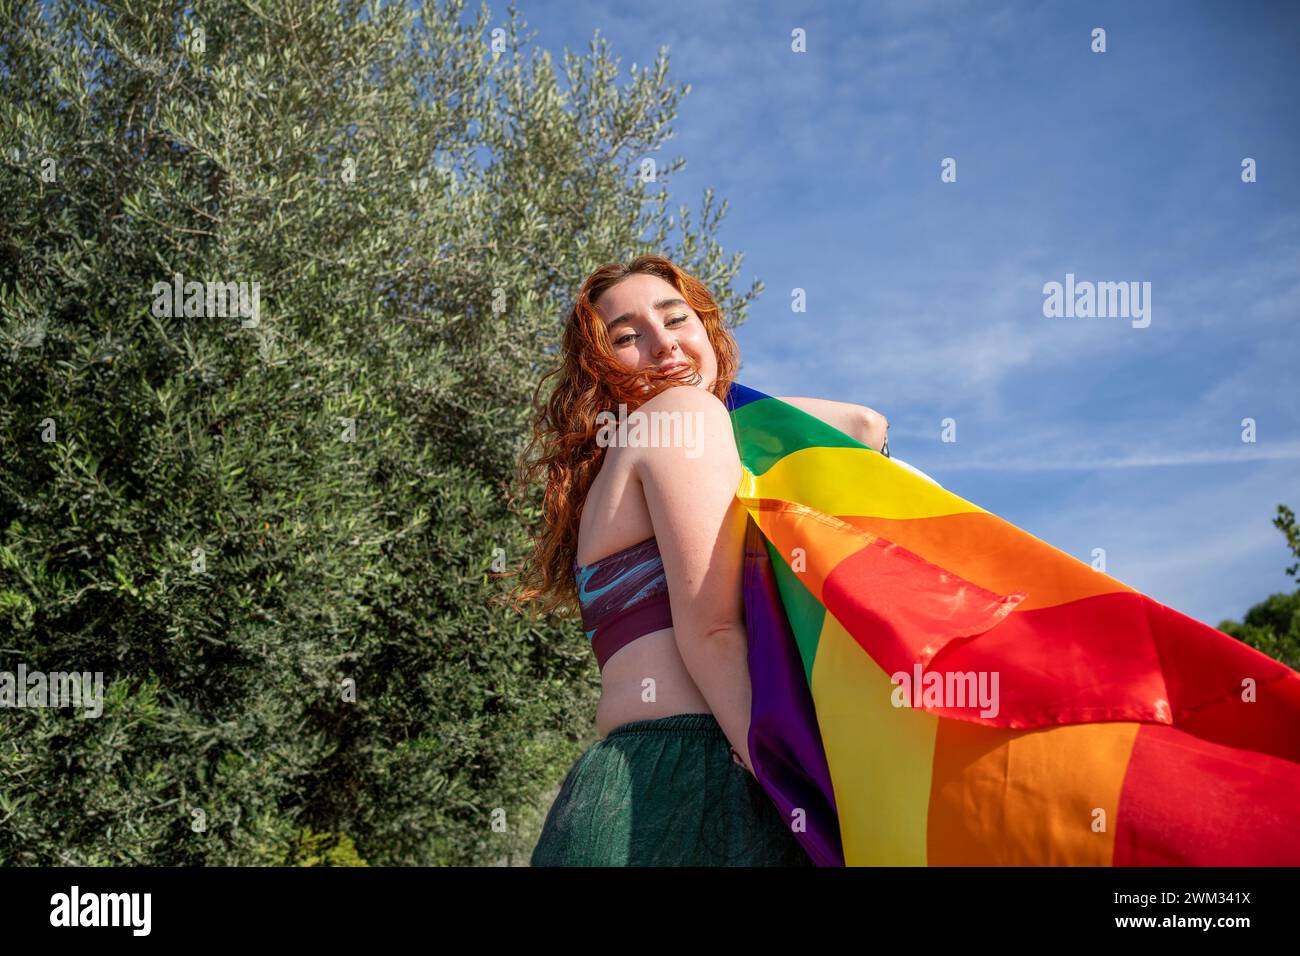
(901, 608)
(1188, 801)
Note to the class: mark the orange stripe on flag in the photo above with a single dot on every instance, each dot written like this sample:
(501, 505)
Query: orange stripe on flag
(995, 554)
(809, 542)
(1026, 798)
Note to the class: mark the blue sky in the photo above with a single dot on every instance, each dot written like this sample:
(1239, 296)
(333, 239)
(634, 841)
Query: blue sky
(925, 299)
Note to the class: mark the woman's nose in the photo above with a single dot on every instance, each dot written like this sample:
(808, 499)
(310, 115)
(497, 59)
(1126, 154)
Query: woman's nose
(665, 342)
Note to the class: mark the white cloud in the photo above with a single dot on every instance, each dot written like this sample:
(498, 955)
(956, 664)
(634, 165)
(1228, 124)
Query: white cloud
(1072, 460)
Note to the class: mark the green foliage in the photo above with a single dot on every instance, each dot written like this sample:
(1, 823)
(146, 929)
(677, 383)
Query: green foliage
(326, 849)
(1285, 522)
(1273, 625)
(418, 199)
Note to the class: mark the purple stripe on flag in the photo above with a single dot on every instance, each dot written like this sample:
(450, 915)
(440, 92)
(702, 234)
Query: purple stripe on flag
(785, 744)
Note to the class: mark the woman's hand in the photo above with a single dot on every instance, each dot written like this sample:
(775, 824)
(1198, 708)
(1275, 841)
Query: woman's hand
(736, 759)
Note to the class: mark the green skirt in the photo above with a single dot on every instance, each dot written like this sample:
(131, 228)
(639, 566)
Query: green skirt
(664, 792)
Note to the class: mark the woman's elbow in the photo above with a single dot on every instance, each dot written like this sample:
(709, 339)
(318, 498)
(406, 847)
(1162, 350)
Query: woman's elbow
(872, 428)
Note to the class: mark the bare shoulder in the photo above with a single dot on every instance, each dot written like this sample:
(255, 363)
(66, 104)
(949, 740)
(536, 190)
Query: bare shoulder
(683, 424)
(683, 398)
(691, 409)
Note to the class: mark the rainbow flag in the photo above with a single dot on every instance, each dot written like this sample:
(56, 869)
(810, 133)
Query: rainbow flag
(934, 686)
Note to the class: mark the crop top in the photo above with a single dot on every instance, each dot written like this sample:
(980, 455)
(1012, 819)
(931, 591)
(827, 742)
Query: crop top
(623, 596)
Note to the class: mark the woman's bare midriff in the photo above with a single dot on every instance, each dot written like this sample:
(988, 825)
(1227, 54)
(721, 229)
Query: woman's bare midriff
(644, 680)
(647, 678)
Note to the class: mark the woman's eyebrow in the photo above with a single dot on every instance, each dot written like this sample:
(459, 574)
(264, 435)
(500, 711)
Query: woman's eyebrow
(658, 307)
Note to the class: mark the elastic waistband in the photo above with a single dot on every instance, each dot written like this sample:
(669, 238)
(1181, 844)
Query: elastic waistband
(676, 723)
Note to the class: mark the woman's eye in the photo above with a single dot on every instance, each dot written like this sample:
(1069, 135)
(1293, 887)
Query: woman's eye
(624, 339)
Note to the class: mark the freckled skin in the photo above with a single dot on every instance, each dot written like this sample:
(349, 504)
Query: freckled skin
(654, 337)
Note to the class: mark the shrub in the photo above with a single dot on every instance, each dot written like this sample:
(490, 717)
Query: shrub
(274, 533)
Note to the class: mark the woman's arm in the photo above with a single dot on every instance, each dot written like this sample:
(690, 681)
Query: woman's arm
(700, 526)
(858, 421)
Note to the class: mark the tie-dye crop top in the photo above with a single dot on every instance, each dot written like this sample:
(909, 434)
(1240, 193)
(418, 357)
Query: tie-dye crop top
(623, 596)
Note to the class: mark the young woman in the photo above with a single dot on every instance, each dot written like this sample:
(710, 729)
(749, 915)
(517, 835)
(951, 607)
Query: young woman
(647, 539)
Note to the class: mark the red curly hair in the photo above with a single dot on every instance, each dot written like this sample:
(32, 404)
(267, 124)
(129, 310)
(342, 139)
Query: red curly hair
(592, 380)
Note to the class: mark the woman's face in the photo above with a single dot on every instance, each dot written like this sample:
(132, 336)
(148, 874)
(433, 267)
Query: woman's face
(649, 324)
